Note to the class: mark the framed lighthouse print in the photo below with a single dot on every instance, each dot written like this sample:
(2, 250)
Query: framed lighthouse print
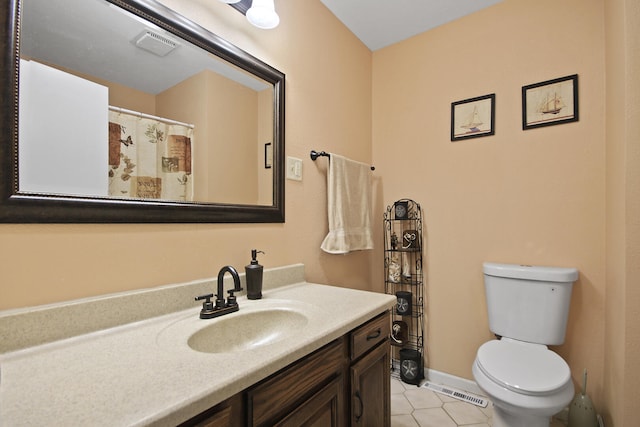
(551, 102)
(473, 118)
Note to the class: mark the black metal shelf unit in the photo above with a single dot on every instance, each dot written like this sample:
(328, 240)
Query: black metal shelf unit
(404, 278)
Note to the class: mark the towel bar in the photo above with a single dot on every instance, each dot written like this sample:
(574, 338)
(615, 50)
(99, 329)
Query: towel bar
(315, 154)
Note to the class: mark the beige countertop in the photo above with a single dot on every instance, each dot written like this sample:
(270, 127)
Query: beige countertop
(145, 373)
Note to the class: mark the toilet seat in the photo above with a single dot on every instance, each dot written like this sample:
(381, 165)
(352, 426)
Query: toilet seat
(522, 367)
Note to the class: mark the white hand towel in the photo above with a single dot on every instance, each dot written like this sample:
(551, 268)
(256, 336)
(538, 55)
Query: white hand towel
(349, 206)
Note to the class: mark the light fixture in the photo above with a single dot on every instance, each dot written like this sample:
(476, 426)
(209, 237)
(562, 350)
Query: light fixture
(230, 1)
(263, 15)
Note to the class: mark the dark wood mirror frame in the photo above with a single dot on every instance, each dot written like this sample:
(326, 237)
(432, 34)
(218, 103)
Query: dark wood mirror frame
(17, 207)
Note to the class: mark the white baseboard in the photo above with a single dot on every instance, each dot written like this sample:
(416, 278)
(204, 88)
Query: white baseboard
(438, 377)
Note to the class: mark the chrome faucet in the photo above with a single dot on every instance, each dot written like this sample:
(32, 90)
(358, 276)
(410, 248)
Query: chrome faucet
(221, 307)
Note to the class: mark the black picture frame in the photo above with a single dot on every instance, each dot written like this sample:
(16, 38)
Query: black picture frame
(552, 102)
(473, 117)
(268, 155)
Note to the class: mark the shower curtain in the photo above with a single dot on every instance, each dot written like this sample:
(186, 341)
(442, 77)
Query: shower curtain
(149, 159)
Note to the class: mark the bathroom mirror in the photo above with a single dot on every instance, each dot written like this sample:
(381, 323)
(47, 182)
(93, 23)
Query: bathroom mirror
(124, 111)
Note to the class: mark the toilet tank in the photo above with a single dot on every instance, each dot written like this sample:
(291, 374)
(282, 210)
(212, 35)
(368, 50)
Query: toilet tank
(528, 303)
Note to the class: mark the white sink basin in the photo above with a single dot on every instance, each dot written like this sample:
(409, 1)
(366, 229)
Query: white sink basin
(247, 331)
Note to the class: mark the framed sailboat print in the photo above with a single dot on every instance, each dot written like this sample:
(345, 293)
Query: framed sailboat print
(552, 102)
(473, 118)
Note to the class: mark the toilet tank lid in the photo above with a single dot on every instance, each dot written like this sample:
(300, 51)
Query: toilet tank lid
(531, 272)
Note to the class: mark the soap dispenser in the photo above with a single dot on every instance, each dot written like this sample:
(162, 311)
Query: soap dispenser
(254, 276)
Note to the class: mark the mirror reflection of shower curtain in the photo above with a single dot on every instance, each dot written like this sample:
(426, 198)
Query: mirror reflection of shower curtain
(149, 159)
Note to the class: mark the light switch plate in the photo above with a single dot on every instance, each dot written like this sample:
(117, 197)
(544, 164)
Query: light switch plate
(294, 168)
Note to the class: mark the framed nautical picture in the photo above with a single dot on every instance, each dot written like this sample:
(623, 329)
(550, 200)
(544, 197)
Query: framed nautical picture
(550, 103)
(473, 118)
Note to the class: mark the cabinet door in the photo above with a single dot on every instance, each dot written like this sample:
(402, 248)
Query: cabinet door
(371, 389)
(281, 394)
(323, 409)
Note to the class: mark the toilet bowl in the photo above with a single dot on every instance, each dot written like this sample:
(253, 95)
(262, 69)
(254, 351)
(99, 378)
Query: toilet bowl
(527, 383)
(528, 308)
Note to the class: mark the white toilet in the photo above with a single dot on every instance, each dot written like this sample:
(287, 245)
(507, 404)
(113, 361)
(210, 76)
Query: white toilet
(528, 307)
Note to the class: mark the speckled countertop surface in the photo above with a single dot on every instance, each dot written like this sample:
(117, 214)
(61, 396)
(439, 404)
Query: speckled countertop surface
(145, 373)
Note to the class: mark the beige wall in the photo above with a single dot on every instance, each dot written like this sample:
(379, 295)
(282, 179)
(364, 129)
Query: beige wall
(532, 197)
(226, 127)
(326, 109)
(622, 326)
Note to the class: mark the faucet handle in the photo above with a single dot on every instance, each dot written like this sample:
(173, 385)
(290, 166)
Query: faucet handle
(231, 299)
(207, 306)
(207, 297)
(231, 291)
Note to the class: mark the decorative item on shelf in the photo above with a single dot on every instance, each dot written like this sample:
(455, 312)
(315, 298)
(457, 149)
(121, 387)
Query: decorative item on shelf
(406, 269)
(394, 271)
(402, 209)
(404, 304)
(410, 240)
(394, 241)
(399, 332)
(411, 368)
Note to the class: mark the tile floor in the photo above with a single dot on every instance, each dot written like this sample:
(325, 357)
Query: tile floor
(413, 406)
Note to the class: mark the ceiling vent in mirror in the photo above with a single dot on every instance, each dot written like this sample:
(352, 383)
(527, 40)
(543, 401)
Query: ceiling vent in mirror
(155, 43)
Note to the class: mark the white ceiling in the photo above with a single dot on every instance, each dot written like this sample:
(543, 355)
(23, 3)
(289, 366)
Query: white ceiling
(380, 23)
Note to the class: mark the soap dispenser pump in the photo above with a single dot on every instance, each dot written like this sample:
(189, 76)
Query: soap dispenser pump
(254, 276)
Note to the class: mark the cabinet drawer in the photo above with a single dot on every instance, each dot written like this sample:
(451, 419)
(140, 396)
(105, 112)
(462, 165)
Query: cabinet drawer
(281, 393)
(369, 335)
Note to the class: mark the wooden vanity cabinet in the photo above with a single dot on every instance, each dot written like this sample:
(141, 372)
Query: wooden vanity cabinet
(345, 383)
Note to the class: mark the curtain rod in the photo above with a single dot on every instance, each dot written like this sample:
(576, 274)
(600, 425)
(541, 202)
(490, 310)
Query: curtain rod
(149, 116)
(315, 154)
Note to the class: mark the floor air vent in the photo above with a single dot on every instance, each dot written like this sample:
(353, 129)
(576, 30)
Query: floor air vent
(457, 394)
